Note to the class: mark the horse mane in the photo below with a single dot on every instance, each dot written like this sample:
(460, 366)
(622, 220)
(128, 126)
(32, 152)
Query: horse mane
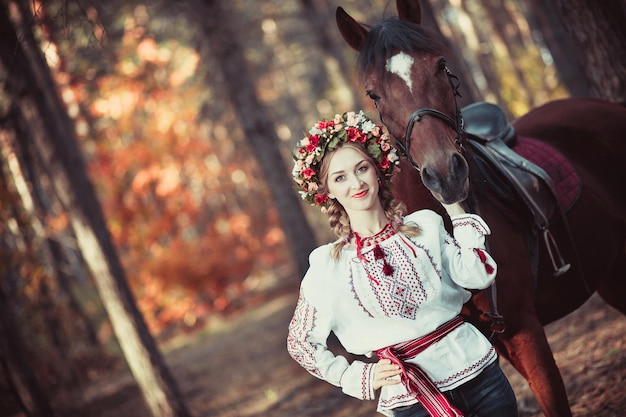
(393, 35)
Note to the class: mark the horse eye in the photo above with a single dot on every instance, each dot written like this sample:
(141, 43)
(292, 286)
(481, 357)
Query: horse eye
(441, 65)
(372, 96)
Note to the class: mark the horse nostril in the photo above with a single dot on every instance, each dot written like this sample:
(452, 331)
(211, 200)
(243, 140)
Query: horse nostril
(430, 180)
(458, 166)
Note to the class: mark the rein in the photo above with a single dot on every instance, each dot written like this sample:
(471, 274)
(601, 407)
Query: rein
(457, 125)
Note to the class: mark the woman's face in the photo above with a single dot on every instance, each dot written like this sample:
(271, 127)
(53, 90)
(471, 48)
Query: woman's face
(352, 180)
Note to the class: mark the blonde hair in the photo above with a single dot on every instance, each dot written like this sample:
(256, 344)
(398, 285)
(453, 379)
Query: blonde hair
(338, 217)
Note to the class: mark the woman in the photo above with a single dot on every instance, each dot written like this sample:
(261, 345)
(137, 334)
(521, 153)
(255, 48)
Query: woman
(391, 285)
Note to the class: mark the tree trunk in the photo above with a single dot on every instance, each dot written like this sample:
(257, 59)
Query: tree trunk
(321, 16)
(506, 29)
(470, 93)
(30, 87)
(542, 14)
(598, 31)
(22, 380)
(27, 176)
(256, 121)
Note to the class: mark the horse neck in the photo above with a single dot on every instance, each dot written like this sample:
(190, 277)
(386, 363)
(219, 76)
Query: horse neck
(489, 194)
(409, 189)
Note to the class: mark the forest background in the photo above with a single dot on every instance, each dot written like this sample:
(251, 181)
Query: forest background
(181, 117)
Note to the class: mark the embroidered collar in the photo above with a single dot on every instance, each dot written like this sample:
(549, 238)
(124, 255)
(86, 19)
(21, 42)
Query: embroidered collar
(384, 234)
(374, 241)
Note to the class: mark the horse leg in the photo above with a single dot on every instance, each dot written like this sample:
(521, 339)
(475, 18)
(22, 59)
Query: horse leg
(524, 341)
(530, 354)
(613, 290)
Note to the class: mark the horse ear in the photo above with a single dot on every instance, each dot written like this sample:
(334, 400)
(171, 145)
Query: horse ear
(352, 31)
(409, 10)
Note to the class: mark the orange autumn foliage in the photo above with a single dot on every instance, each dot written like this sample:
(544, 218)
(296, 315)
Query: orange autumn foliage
(184, 202)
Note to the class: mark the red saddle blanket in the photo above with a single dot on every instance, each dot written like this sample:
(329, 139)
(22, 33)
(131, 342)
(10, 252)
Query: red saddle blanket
(565, 180)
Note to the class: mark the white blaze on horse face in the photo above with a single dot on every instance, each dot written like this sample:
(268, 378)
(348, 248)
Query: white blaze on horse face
(400, 64)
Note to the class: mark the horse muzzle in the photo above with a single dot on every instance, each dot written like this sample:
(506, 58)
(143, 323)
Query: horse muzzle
(450, 185)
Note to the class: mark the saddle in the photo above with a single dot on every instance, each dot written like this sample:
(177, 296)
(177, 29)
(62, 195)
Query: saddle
(491, 138)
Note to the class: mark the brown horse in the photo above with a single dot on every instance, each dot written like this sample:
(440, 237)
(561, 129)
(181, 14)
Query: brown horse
(404, 73)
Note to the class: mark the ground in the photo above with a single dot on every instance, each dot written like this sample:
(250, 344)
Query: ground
(241, 369)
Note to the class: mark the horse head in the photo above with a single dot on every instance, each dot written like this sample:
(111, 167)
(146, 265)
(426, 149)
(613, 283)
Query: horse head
(404, 72)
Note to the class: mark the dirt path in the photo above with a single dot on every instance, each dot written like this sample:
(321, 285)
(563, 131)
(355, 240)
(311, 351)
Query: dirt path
(243, 370)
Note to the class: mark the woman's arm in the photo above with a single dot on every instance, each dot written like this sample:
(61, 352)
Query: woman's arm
(306, 343)
(453, 209)
(465, 257)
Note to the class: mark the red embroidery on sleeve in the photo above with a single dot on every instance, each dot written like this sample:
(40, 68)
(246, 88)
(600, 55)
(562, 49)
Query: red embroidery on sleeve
(483, 259)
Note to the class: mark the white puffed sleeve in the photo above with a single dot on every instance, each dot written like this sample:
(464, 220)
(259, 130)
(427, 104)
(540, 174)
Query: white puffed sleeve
(310, 327)
(465, 257)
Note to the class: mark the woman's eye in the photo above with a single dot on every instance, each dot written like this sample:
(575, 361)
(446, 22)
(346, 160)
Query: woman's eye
(339, 178)
(362, 168)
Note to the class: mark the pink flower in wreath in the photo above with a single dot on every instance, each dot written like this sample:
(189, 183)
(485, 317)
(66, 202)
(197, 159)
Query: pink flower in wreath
(384, 163)
(351, 118)
(320, 199)
(314, 140)
(308, 173)
(323, 124)
(355, 135)
(301, 153)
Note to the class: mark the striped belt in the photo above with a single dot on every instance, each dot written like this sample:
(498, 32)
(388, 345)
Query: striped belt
(414, 378)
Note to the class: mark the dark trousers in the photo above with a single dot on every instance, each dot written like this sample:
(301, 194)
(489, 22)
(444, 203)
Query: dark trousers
(488, 395)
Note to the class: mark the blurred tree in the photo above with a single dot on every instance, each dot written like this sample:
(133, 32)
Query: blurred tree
(29, 89)
(26, 175)
(256, 123)
(469, 90)
(507, 60)
(506, 28)
(549, 31)
(13, 358)
(320, 15)
(458, 24)
(598, 32)
(14, 361)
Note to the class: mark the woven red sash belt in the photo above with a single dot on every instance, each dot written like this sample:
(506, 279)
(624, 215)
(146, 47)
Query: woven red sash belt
(414, 378)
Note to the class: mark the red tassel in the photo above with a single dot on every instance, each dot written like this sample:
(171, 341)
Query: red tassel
(483, 259)
(387, 269)
(378, 252)
(481, 255)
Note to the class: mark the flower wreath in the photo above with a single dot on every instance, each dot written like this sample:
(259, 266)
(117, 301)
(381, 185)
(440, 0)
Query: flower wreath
(325, 136)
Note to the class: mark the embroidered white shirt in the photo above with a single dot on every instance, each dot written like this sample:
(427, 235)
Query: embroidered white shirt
(369, 310)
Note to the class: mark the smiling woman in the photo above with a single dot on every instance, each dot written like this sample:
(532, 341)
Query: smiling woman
(391, 285)
(351, 178)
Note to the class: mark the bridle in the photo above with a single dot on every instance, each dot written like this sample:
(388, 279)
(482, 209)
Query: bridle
(497, 320)
(457, 125)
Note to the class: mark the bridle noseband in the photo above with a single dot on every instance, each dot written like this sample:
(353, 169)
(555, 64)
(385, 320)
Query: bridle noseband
(417, 115)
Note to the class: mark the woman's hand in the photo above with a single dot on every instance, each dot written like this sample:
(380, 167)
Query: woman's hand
(385, 373)
(453, 209)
